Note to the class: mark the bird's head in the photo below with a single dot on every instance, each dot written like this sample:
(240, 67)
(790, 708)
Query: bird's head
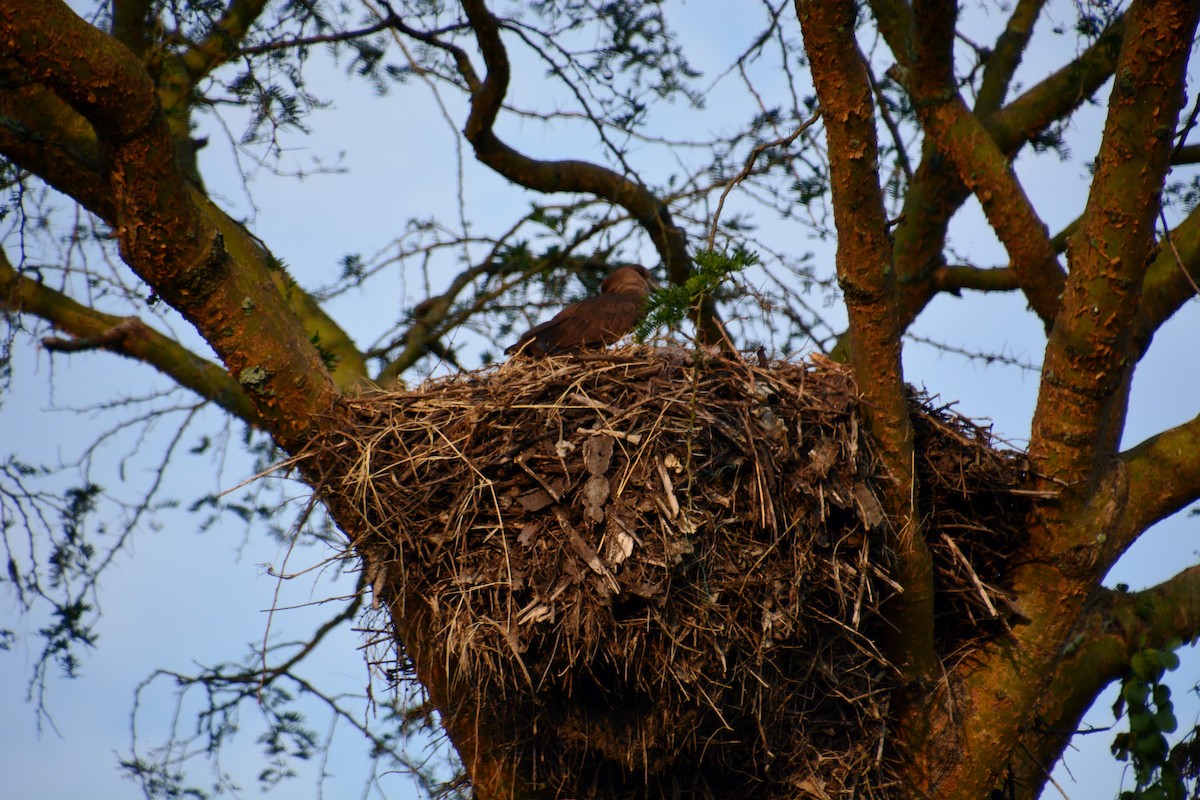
(629, 279)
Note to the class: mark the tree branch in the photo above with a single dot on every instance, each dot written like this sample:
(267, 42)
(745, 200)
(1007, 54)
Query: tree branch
(1171, 280)
(1058, 94)
(1089, 352)
(39, 132)
(161, 232)
(866, 277)
(130, 24)
(126, 336)
(1006, 56)
(1116, 626)
(221, 44)
(980, 163)
(1002, 687)
(954, 278)
(937, 193)
(1162, 475)
(895, 21)
(42, 134)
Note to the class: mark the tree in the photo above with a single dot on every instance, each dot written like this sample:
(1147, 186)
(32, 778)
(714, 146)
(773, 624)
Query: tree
(104, 113)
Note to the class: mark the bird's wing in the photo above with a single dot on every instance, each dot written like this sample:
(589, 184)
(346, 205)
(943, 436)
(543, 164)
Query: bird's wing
(598, 320)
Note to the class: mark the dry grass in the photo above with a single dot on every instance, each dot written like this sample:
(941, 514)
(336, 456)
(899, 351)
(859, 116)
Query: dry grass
(663, 578)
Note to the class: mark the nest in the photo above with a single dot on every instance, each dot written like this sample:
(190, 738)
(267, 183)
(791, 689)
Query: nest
(659, 576)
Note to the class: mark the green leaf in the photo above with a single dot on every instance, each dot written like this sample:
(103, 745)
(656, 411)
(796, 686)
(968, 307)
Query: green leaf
(1135, 694)
(1165, 721)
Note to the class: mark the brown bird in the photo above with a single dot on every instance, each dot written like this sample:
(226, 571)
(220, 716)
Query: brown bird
(594, 321)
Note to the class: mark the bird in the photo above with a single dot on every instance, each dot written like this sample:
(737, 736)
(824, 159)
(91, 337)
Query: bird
(595, 321)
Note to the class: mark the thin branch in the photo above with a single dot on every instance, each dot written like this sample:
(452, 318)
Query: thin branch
(323, 38)
(781, 143)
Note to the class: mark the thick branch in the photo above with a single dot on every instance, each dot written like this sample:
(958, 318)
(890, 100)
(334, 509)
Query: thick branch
(162, 233)
(1162, 475)
(131, 25)
(1058, 94)
(1088, 355)
(865, 275)
(980, 163)
(937, 193)
(221, 44)
(1171, 280)
(1116, 626)
(1002, 687)
(1004, 59)
(42, 134)
(126, 336)
(895, 21)
(348, 367)
(954, 278)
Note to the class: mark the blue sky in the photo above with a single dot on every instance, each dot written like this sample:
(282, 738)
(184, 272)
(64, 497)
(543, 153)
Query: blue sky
(180, 597)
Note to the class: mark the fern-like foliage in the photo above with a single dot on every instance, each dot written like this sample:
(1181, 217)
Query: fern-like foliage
(670, 304)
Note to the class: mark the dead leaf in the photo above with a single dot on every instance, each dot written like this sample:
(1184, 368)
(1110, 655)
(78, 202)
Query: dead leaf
(870, 511)
(823, 456)
(586, 553)
(597, 454)
(525, 537)
(535, 500)
(595, 493)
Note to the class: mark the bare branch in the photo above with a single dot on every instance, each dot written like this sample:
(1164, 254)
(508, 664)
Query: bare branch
(1162, 475)
(162, 233)
(1086, 368)
(42, 134)
(782, 142)
(1059, 94)
(980, 163)
(954, 278)
(1088, 356)
(651, 213)
(1004, 59)
(936, 193)
(127, 336)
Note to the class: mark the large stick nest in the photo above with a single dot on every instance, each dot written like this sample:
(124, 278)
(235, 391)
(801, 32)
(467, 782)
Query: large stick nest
(660, 576)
